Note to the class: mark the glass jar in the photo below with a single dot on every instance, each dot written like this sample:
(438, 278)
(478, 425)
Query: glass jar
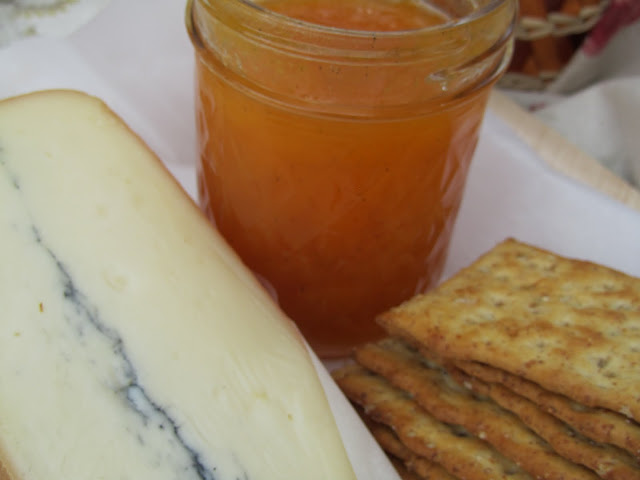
(333, 160)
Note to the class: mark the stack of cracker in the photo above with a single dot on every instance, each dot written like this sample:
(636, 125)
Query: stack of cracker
(524, 365)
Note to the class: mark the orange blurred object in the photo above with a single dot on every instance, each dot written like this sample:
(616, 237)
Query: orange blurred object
(548, 35)
(334, 159)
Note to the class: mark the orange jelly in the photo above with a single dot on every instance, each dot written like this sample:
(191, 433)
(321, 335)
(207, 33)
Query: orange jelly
(366, 15)
(333, 160)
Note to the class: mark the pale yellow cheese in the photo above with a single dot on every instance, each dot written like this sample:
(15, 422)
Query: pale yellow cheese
(133, 343)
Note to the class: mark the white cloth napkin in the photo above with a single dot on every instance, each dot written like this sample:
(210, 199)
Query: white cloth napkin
(603, 121)
(595, 102)
(137, 57)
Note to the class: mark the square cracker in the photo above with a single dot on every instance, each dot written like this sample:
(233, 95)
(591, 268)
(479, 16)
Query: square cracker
(403, 472)
(598, 424)
(436, 392)
(450, 446)
(571, 326)
(406, 462)
(609, 462)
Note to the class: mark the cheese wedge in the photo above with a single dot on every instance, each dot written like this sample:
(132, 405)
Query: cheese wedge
(133, 342)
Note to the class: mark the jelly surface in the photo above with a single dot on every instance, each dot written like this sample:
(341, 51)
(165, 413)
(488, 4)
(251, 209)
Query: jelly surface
(343, 217)
(366, 15)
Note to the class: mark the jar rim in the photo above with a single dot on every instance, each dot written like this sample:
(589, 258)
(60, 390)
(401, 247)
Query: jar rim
(291, 22)
(426, 66)
(280, 31)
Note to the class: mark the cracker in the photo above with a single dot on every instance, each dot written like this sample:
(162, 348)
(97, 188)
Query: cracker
(403, 472)
(454, 449)
(414, 464)
(438, 394)
(571, 326)
(607, 461)
(4, 474)
(598, 424)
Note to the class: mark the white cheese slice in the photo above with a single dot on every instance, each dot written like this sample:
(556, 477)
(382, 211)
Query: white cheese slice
(133, 343)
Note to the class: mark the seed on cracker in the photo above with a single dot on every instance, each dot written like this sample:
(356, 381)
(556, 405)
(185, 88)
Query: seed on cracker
(436, 392)
(450, 446)
(571, 326)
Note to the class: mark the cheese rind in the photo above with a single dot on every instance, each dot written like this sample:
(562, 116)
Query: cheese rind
(133, 343)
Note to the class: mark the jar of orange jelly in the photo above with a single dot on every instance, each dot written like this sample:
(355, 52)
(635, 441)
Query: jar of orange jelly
(335, 138)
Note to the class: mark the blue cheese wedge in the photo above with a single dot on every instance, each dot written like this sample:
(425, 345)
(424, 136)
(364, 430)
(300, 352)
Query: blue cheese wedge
(133, 342)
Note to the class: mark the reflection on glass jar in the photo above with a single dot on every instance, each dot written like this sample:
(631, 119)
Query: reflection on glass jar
(335, 140)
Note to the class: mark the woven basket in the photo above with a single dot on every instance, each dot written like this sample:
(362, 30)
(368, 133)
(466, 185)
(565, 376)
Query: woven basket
(547, 35)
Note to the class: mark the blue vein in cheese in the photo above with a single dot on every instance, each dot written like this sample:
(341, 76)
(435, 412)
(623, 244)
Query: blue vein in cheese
(157, 433)
(12, 178)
